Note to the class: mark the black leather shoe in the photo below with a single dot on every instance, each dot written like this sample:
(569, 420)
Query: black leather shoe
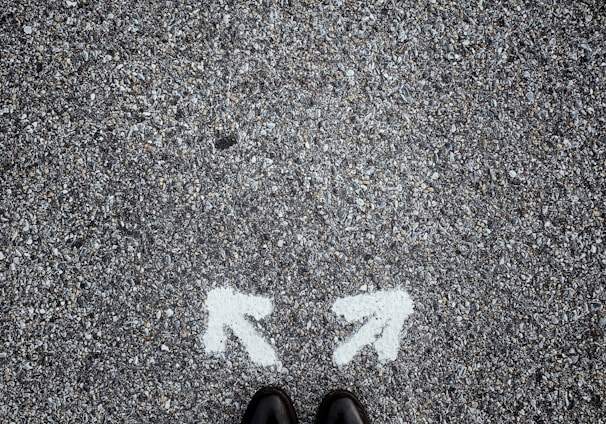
(341, 407)
(270, 405)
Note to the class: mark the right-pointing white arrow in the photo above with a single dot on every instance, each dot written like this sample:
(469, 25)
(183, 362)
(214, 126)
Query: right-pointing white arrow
(227, 308)
(386, 312)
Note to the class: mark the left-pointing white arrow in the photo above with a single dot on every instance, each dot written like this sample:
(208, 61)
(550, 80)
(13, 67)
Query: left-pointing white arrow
(386, 312)
(227, 308)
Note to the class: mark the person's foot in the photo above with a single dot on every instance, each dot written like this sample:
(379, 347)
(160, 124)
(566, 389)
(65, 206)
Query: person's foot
(270, 405)
(341, 407)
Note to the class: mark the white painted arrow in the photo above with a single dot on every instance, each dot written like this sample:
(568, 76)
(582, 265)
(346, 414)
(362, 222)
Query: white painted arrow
(386, 312)
(227, 308)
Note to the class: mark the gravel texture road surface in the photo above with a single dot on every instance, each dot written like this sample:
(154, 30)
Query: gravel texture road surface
(303, 152)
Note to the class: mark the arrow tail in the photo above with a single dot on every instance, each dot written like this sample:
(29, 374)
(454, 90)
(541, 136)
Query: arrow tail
(354, 344)
(258, 349)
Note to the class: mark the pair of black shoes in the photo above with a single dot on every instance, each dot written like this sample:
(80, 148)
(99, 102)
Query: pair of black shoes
(271, 405)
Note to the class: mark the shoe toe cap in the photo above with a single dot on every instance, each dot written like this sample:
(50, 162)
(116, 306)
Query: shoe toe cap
(341, 408)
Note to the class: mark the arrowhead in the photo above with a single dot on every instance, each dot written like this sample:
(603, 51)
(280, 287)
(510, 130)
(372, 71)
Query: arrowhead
(227, 308)
(386, 312)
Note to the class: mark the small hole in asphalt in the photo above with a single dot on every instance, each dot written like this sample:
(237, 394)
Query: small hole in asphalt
(226, 142)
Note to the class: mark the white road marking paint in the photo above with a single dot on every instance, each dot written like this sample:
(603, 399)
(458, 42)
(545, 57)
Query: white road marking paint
(386, 312)
(227, 308)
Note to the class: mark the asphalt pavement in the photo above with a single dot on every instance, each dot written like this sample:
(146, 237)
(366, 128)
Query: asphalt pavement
(403, 199)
